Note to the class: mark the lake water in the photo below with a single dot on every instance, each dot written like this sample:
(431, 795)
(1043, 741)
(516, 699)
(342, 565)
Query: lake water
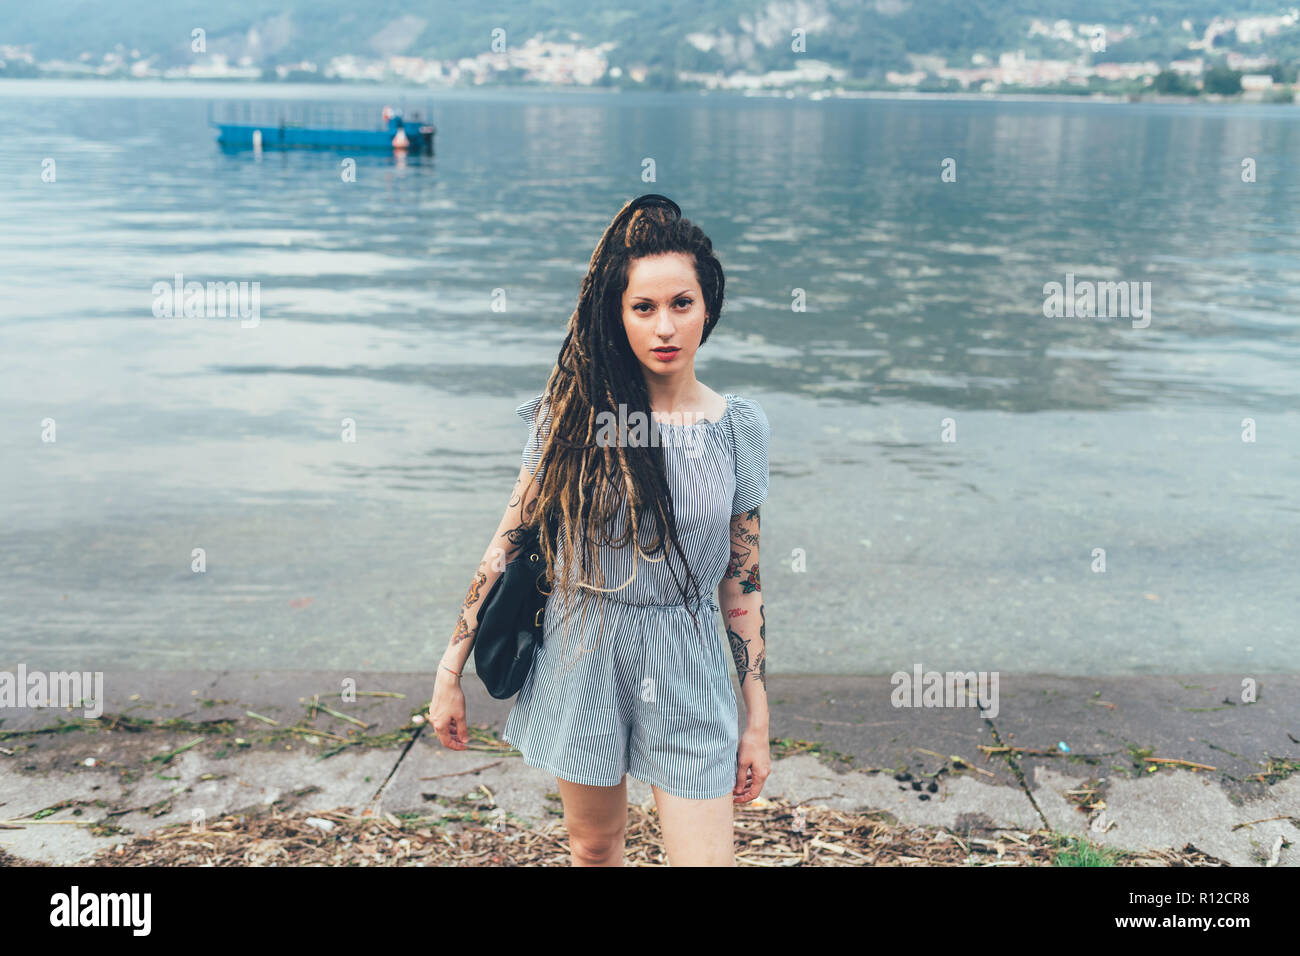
(924, 302)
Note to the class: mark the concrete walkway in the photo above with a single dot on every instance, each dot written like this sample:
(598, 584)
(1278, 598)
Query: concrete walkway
(838, 741)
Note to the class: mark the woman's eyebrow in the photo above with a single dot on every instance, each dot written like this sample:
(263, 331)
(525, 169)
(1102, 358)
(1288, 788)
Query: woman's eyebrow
(651, 298)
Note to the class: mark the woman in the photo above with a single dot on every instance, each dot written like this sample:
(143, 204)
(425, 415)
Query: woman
(653, 698)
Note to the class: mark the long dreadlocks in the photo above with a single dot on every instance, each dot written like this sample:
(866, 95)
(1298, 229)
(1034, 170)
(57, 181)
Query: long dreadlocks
(586, 483)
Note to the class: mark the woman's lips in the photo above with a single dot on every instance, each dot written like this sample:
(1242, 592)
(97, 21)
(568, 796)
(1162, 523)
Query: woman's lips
(665, 355)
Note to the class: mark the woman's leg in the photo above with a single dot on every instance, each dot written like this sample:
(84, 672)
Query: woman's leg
(596, 818)
(696, 832)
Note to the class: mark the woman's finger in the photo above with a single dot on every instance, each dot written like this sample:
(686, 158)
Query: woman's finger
(745, 784)
(742, 772)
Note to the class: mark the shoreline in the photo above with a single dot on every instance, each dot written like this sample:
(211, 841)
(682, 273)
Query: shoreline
(1153, 763)
(224, 85)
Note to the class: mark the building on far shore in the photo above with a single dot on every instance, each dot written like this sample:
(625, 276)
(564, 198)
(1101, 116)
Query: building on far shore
(1256, 87)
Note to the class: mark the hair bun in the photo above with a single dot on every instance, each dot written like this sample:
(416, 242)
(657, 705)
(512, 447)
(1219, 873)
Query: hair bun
(653, 200)
(645, 223)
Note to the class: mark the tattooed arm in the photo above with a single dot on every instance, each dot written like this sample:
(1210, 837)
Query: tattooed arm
(740, 596)
(504, 545)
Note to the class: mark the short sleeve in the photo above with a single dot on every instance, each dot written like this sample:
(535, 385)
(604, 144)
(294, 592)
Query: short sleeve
(528, 411)
(751, 433)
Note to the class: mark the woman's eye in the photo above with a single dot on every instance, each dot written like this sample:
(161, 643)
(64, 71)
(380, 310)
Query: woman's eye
(681, 303)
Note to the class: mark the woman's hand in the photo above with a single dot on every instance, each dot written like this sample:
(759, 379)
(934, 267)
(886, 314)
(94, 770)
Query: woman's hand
(447, 711)
(753, 764)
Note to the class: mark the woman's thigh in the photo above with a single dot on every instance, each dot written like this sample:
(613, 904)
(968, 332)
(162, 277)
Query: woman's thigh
(696, 832)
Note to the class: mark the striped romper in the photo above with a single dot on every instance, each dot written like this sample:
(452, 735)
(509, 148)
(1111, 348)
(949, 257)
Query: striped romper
(623, 682)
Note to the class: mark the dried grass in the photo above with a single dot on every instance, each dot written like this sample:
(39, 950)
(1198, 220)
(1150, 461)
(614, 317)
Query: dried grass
(767, 833)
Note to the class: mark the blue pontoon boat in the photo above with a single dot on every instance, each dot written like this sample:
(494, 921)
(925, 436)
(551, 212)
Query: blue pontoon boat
(314, 126)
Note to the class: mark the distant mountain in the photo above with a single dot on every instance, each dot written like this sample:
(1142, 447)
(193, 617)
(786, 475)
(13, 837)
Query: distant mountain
(863, 36)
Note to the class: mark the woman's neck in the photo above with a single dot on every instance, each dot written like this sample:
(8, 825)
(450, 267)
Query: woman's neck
(683, 394)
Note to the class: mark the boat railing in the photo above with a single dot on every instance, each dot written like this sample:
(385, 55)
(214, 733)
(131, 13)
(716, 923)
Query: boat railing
(311, 115)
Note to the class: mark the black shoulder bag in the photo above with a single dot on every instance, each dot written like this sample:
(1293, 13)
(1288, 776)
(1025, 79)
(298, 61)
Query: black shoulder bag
(510, 619)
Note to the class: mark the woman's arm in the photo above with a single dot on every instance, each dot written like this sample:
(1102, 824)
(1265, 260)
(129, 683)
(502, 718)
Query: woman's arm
(504, 545)
(741, 599)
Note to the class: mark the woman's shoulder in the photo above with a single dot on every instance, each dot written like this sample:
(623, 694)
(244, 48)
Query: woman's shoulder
(750, 434)
(748, 414)
(528, 410)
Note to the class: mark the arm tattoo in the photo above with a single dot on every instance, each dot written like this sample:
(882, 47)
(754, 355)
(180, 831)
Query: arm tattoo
(739, 653)
(744, 666)
(517, 534)
(463, 630)
(739, 555)
(744, 533)
(475, 586)
(743, 567)
(744, 540)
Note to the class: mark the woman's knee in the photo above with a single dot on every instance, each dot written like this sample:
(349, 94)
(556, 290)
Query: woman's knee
(596, 819)
(598, 851)
(594, 841)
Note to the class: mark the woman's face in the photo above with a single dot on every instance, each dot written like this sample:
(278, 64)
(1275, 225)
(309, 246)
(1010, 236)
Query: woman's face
(663, 307)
